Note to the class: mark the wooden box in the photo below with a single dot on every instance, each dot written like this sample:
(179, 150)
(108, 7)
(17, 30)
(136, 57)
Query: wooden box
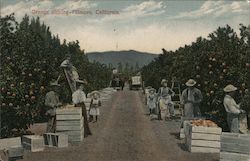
(11, 148)
(56, 140)
(184, 123)
(203, 139)
(74, 137)
(184, 129)
(3, 155)
(235, 147)
(15, 153)
(10, 142)
(33, 143)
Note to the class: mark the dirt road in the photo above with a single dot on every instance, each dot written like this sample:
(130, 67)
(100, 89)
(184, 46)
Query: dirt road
(125, 133)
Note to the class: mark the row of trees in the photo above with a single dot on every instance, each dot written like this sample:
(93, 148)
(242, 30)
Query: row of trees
(30, 59)
(214, 62)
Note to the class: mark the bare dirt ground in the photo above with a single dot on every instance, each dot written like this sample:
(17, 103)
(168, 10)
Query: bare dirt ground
(125, 133)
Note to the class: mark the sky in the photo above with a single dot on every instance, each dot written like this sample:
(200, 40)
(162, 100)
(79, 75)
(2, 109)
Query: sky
(148, 26)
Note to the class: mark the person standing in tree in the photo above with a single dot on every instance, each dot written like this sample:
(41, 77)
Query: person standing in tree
(52, 102)
(233, 110)
(191, 98)
(94, 105)
(78, 98)
(166, 105)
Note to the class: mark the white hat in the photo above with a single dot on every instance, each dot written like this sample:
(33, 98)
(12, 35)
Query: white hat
(152, 89)
(190, 83)
(54, 83)
(95, 92)
(163, 81)
(79, 81)
(230, 88)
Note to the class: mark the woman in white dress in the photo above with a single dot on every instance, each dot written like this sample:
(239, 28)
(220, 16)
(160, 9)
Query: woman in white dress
(94, 105)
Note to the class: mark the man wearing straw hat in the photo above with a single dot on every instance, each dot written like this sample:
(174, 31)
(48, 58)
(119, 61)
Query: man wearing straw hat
(52, 102)
(166, 106)
(78, 98)
(233, 110)
(191, 98)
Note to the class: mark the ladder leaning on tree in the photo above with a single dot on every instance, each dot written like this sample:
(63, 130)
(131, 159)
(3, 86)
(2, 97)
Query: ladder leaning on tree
(177, 97)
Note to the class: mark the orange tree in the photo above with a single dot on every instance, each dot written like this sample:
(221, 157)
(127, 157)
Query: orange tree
(214, 62)
(30, 59)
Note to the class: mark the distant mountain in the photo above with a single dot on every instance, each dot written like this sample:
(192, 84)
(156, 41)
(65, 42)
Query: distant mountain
(131, 57)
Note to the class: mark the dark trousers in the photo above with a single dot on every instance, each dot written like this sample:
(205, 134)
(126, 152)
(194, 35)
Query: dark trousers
(51, 125)
(233, 122)
(86, 124)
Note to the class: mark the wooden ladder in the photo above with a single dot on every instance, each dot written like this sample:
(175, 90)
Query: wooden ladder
(176, 87)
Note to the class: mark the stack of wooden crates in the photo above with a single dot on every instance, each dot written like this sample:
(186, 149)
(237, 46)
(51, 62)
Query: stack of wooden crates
(203, 139)
(235, 147)
(69, 121)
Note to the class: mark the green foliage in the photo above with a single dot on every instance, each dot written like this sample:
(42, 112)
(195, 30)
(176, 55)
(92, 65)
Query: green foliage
(30, 59)
(214, 62)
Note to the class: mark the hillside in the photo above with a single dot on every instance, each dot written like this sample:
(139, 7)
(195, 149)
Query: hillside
(114, 57)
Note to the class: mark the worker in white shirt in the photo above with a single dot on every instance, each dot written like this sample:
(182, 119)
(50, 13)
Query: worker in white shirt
(233, 110)
(78, 98)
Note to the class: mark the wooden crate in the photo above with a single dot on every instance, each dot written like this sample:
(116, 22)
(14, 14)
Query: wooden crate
(33, 143)
(228, 156)
(184, 122)
(203, 139)
(11, 148)
(73, 136)
(184, 129)
(3, 155)
(56, 140)
(10, 142)
(15, 153)
(235, 147)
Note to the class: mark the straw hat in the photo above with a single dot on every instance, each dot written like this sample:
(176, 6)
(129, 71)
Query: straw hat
(190, 83)
(95, 92)
(54, 83)
(80, 81)
(230, 88)
(163, 81)
(151, 90)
